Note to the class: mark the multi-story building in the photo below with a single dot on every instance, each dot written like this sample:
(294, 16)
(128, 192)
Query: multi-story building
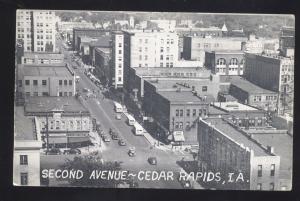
(251, 94)
(274, 73)
(225, 62)
(66, 28)
(102, 43)
(144, 48)
(42, 58)
(88, 33)
(102, 65)
(63, 121)
(118, 59)
(260, 158)
(194, 47)
(45, 80)
(175, 113)
(287, 41)
(27, 145)
(37, 29)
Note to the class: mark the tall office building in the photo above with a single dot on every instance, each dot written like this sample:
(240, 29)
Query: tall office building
(117, 59)
(37, 29)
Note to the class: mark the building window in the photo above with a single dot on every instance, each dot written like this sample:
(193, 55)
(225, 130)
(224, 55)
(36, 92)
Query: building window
(161, 49)
(65, 82)
(60, 82)
(272, 186)
(44, 82)
(161, 57)
(194, 112)
(259, 187)
(70, 82)
(221, 61)
(120, 51)
(272, 173)
(35, 82)
(120, 44)
(181, 125)
(19, 83)
(119, 79)
(60, 93)
(181, 113)
(24, 178)
(45, 94)
(23, 160)
(188, 112)
(65, 93)
(177, 113)
(259, 170)
(204, 88)
(176, 124)
(187, 125)
(233, 61)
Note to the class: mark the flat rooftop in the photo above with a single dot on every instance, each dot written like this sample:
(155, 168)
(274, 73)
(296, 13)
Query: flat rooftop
(233, 106)
(40, 104)
(43, 70)
(237, 136)
(183, 97)
(101, 49)
(227, 52)
(103, 41)
(283, 147)
(45, 55)
(23, 126)
(247, 86)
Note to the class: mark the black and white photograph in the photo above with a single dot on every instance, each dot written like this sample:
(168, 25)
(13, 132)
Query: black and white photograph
(154, 100)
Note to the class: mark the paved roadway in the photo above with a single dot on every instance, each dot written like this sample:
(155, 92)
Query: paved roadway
(103, 111)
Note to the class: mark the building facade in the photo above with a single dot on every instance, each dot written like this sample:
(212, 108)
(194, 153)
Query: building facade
(225, 62)
(42, 58)
(194, 47)
(273, 73)
(118, 59)
(37, 29)
(63, 121)
(225, 149)
(103, 64)
(45, 80)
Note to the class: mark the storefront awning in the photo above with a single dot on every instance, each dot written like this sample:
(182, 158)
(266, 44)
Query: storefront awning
(178, 136)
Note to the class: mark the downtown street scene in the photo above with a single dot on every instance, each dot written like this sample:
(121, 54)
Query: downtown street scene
(154, 100)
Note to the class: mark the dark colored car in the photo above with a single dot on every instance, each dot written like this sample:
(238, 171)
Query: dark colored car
(115, 136)
(186, 184)
(72, 151)
(53, 151)
(111, 131)
(122, 142)
(131, 151)
(152, 160)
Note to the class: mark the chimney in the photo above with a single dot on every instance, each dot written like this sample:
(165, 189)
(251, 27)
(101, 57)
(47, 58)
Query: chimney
(270, 149)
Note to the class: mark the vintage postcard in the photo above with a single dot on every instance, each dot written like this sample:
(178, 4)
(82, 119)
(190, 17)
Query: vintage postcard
(154, 100)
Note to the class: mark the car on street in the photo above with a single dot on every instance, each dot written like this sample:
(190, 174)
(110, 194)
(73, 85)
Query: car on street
(122, 142)
(72, 151)
(186, 184)
(100, 132)
(85, 90)
(118, 117)
(105, 138)
(131, 151)
(152, 160)
(115, 136)
(111, 131)
(53, 151)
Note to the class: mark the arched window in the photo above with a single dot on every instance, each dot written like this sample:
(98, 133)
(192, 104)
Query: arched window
(233, 61)
(242, 62)
(221, 61)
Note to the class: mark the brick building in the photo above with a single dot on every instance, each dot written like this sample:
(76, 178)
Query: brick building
(69, 122)
(45, 80)
(275, 73)
(42, 58)
(225, 62)
(251, 94)
(102, 61)
(103, 43)
(224, 148)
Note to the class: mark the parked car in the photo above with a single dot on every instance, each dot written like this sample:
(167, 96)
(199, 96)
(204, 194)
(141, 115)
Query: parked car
(118, 117)
(186, 184)
(152, 160)
(111, 131)
(122, 142)
(131, 151)
(53, 151)
(115, 136)
(72, 151)
(100, 133)
(105, 138)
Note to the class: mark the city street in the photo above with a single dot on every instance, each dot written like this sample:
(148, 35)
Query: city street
(103, 111)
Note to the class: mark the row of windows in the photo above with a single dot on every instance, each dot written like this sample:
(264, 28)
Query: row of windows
(260, 167)
(65, 93)
(168, 41)
(259, 186)
(271, 97)
(232, 61)
(179, 112)
(168, 57)
(60, 82)
(188, 125)
(36, 94)
(34, 82)
(57, 125)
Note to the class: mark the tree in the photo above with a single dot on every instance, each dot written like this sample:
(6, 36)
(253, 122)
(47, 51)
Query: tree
(88, 164)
